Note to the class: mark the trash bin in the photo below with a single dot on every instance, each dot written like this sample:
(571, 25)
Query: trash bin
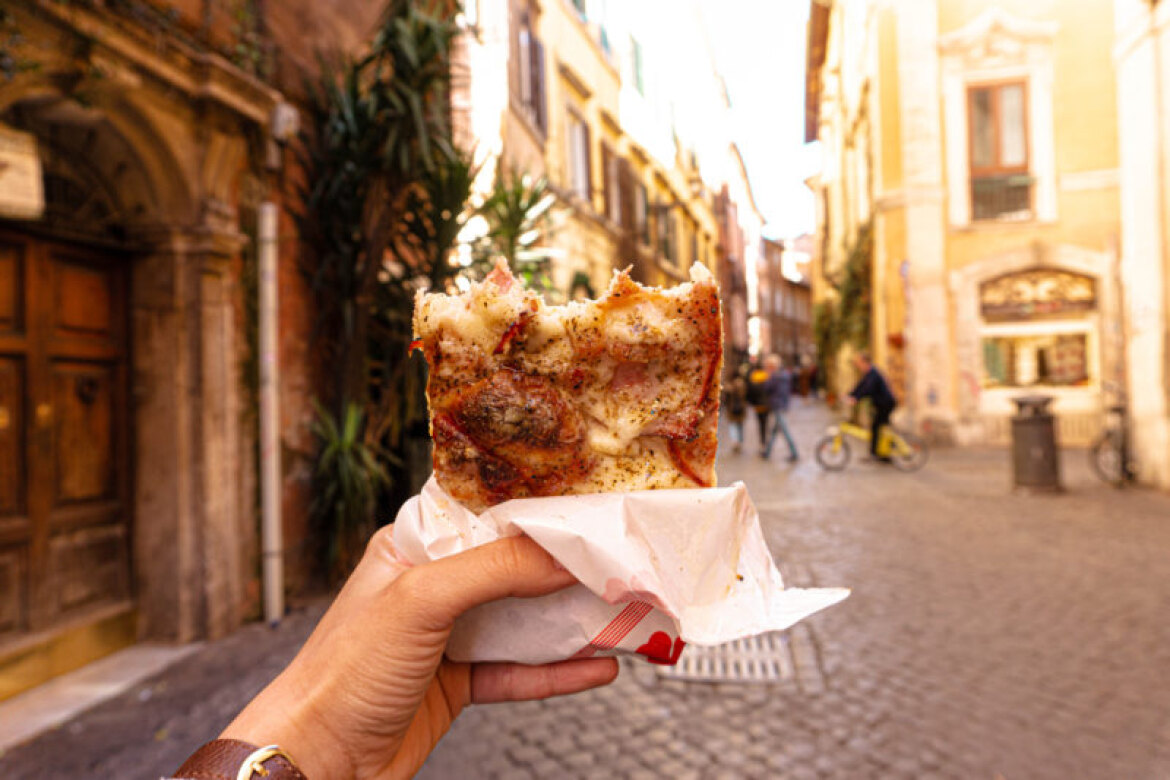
(1035, 459)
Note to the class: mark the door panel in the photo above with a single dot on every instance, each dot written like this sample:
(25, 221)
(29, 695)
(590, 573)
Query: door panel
(88, 567)
(83, 404)
(11, 287)
(12, 478)
(13, 590)
(83, 299)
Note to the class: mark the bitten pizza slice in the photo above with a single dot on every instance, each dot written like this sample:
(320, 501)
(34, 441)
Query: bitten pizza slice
(621, 393)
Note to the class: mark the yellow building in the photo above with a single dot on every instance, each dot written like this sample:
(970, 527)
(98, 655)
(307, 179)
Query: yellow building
(971, 168)
(1143, 37)
(591, 104)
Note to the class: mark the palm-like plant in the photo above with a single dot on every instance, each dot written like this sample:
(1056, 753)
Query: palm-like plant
(350, 473)
(520, 218)
(384, 192)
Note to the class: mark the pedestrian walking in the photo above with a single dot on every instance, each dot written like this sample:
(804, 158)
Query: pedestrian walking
(735, 404)
(873, 386)
(779, 387)
(758, 399)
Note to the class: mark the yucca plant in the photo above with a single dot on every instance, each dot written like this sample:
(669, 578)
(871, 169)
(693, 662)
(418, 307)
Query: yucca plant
(519, 216)
(385, 194)
(350, 473)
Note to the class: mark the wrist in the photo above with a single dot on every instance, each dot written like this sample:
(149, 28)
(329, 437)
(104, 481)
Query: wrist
(282, 716)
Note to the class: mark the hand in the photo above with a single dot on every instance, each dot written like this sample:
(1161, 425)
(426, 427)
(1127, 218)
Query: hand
(370, 694)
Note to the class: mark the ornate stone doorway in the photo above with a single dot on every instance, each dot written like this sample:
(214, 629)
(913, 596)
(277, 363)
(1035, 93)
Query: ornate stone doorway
(126, 509)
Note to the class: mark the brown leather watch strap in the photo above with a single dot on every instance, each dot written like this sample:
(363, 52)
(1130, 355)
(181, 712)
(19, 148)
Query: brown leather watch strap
(221, 760)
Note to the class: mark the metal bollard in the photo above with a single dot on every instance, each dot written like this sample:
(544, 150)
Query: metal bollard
(1035, 457)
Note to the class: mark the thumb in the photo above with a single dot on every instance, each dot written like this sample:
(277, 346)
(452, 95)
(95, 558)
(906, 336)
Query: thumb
(436, 593)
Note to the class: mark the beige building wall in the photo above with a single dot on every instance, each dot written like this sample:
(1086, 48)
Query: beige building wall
(894, 119)
(582, 84)
(1141, 47)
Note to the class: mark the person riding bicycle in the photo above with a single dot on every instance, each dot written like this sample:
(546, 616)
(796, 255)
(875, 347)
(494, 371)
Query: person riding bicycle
(873, 386)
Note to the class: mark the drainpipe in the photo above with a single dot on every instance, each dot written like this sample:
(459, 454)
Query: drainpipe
(1160, 141)
(271, 537)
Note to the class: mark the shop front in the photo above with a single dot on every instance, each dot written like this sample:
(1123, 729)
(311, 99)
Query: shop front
(1034, 322)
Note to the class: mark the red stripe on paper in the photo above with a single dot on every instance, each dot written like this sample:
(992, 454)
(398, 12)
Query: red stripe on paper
(617, 630)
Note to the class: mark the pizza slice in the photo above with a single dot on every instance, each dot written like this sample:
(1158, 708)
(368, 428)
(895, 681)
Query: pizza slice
(528, 400)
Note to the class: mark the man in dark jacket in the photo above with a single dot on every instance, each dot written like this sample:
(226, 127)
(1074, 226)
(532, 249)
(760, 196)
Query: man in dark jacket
(873, 386)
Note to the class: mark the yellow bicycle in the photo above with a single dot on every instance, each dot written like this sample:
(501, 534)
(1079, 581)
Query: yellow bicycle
(905, 450)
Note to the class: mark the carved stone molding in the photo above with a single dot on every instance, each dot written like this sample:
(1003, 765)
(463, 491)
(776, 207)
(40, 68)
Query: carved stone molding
(996, 38)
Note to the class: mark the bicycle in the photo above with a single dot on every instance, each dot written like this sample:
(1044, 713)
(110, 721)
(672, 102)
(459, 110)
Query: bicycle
(1110, 454)
(906, 451)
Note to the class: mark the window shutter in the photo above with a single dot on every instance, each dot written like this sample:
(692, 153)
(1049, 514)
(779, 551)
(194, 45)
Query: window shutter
(607, 182)
(539, 107)
(626, 216)
(615, 195)
(588, 163)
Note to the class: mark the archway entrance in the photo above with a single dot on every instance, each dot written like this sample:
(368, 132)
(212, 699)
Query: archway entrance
(66, 477)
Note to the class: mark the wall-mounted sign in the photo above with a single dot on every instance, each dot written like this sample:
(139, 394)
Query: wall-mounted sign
(22, 192)
(1039, 293)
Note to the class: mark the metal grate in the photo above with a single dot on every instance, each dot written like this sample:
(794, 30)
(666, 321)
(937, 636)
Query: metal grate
(762, 658)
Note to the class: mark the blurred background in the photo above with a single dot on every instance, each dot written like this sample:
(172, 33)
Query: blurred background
(214, 218)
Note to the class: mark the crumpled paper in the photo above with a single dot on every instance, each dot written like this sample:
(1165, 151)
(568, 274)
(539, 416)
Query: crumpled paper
(658, 568)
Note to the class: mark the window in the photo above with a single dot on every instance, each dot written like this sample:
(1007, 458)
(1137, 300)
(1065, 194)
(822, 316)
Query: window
(667, 233)
(1001, 186)
(636, 65)
(578, 160)
(530, 77)
(641, 214)
(1054, 360)
(611, 179)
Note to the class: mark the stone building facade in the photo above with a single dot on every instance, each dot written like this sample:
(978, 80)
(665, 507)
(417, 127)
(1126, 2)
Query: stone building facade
(786, 304)
(128, 496)
(581, 92)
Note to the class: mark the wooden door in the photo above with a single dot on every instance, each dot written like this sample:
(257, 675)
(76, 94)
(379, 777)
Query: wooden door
(64, 479)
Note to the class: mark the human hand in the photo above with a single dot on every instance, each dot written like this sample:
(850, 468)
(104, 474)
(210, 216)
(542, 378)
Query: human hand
(370, 694)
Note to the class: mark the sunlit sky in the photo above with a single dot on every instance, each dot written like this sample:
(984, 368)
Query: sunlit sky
(759, 46)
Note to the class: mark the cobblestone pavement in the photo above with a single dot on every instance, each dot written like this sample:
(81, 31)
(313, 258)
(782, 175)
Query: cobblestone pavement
(988, 635)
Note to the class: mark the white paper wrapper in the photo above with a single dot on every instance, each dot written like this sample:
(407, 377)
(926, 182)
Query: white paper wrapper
(655, 566)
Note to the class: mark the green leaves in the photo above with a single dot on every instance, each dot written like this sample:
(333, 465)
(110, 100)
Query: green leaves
(349, 475)
(384, 198)
(845, 320)
(519, 216)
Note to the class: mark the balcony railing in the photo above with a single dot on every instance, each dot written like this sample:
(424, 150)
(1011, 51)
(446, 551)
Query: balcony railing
(1002, 197)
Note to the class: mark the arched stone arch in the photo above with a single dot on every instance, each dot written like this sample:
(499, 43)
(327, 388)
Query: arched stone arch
(118, 147)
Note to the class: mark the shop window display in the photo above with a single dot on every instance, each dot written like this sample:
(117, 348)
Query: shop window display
(1052, 360)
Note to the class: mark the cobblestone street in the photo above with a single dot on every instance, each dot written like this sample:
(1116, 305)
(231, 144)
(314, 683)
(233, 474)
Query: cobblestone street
(988, 635)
